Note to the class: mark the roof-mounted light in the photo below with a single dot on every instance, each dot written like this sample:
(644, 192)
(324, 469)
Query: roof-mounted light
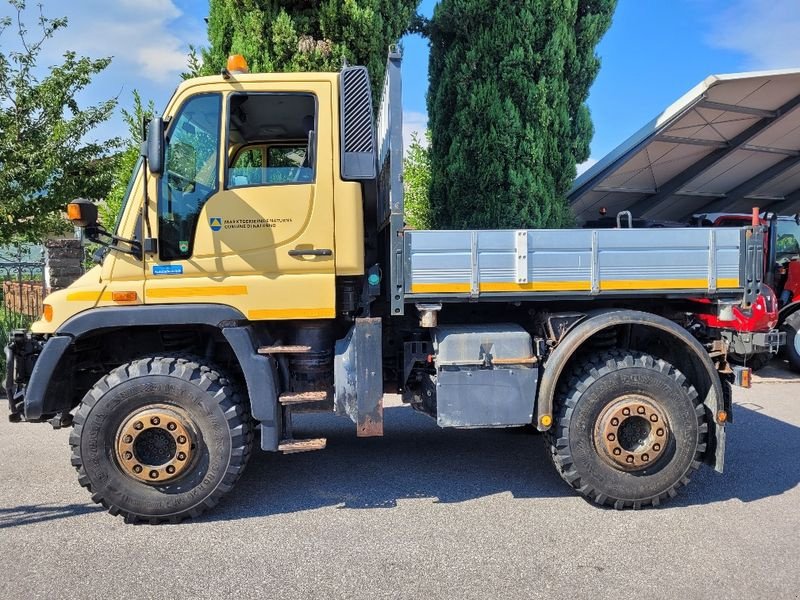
(237, 64)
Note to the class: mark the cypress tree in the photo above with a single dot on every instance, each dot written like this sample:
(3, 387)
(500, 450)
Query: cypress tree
(304, 35)
(507, 106)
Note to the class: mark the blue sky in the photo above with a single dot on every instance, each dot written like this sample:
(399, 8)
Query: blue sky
(655, 51)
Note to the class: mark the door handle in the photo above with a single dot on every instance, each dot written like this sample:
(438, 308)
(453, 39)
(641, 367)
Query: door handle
(320, 252)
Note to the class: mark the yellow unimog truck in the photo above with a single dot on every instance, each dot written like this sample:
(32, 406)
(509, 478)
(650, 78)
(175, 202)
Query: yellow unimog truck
(261, 269)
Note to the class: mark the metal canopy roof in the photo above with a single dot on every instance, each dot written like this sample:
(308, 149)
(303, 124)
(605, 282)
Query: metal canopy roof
(731, 143)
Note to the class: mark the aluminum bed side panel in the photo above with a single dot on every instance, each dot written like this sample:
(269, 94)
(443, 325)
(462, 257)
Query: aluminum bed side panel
(584, 261)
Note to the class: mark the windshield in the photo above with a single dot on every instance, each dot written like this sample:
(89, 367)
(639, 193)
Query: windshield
(127, 196)
(788, 244)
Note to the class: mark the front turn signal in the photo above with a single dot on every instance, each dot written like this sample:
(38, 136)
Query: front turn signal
(47, 312)
(124, 296)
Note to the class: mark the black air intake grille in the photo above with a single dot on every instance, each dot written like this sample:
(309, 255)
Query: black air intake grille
(358, 135)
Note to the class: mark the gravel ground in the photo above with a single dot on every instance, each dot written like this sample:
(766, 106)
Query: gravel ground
(420, 513)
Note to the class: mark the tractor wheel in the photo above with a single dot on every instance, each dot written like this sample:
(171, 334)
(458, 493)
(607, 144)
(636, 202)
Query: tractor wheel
(161, 439)
(792, 328)
(629, 430)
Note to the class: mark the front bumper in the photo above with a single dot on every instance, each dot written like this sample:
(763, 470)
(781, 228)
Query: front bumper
(31, 363)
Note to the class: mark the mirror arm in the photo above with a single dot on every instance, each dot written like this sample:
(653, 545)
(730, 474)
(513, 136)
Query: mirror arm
(100, 236)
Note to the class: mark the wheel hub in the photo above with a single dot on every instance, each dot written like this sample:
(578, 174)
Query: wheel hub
(632, 433)
(154, 445)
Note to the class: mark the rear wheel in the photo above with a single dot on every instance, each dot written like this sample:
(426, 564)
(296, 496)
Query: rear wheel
(629, 430)
(792, 328)
(161, 439)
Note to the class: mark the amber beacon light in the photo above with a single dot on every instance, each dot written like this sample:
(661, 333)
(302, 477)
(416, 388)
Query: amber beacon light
(237, 64)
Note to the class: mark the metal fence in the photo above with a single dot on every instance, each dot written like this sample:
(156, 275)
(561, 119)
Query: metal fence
(21, 289)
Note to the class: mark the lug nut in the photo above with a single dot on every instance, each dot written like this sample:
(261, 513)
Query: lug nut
(181, 439)
(155, 420)
(656, 447)
(170, 469)
(153, 474)
(128, 455)
(127, 439)
(629, 459)
(654, 418)
(137, 468)
(615, 421)
(626, 411)
(138, 425)
(617, 451)
(641, 410)
(611, 437)
(171, 426)
(659, 432)
(181, 456)
(645, 457)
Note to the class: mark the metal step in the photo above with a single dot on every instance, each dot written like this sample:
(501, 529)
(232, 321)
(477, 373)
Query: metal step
(295, 446)
(284, 350)
(302, 397)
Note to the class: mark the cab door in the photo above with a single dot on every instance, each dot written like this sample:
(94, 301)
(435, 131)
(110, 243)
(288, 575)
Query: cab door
(258, 236)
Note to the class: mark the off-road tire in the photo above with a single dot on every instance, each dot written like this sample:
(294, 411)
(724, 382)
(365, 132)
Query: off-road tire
(222, 448)
(594, 384)
(792, 328)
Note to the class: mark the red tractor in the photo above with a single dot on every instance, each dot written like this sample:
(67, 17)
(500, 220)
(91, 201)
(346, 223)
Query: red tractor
(782, 274)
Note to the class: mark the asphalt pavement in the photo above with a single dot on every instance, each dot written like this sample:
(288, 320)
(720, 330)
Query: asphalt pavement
(420, 513)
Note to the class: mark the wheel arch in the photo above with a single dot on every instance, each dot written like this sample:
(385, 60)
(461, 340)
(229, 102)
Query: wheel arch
(669, 341)
(258, 371)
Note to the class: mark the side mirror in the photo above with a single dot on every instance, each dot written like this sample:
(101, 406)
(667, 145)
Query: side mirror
(82, 213)
(154, 145)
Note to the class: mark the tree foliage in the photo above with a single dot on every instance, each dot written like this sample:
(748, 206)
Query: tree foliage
(126, 160)
(508, 86)
(417, 181)
(46, 157)
(303, 35)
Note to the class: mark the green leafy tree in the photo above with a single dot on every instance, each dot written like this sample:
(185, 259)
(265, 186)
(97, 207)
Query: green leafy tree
(507, 106)
(46, 155)
(417, 181)
(125, 161)
(304, 35)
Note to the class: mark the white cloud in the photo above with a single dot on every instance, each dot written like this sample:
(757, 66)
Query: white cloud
(414, 122)
(147, 38)
(764, 31)
(585, 166)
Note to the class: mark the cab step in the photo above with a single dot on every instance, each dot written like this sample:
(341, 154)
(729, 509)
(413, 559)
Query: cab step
(296, 446)
(284, 350)
(289, 398)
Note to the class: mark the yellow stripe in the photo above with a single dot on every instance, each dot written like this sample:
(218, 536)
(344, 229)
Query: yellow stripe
(728, 283)
(93, 296)
(665, 284)
(198, 291)
(572, 286)
(538, 286)
(440, 288)
(266, 314)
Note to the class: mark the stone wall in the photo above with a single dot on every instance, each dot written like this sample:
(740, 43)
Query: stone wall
(63, 263)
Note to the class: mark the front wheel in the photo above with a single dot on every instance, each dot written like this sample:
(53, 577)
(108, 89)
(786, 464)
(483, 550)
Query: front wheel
(160, 439)
(629, 430)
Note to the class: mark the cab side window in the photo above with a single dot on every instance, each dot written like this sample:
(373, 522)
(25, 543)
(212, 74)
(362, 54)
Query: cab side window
(271, 139)
(191, 173)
